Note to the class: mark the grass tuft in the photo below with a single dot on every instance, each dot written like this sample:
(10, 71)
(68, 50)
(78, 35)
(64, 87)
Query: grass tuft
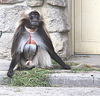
(35, 77)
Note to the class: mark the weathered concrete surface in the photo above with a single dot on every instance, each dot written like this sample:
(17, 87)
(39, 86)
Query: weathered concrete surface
(3, 76)
(4, 65)
(93, 60)
(48, 91)
(91, 79)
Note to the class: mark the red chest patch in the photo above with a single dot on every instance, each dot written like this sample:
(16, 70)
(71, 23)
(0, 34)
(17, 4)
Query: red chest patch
(30, 41)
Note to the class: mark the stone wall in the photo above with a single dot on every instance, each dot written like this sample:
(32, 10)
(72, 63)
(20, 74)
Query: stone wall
(55, 15)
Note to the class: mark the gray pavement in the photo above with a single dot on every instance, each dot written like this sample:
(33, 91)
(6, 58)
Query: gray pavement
(49, 91)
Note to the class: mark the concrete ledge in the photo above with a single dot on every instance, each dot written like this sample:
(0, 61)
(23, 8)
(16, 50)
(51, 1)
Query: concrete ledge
(3, 76)
(75, 79)
(61, 78)
(67, 79)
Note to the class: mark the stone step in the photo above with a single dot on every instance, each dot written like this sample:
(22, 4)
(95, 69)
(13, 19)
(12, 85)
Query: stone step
(91, 79)
(61, 78)
(68, 79)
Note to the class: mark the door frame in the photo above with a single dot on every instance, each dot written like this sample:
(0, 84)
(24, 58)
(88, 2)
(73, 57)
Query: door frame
(73, 30)
(73, 27)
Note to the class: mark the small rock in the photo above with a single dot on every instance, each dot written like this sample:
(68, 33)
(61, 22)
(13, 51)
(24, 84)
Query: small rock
(5, 45)
(59, 3)
(60, 44)
(34, 3)
(9, 17)
(55, 19)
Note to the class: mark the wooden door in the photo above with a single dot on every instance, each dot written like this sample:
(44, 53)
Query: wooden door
(87, 26)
